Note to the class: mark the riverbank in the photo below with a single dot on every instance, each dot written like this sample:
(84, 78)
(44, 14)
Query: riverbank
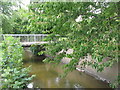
(109, 74)
(47, 76)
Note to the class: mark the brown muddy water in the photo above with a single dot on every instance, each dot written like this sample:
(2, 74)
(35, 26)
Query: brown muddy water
(47, 76)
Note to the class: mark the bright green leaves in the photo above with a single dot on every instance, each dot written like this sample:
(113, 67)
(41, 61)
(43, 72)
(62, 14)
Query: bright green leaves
(95, 34)
(8, 15)
(50, 16)
(13, 74)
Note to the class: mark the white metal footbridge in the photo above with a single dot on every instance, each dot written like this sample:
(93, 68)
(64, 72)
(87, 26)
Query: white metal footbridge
(28, 39)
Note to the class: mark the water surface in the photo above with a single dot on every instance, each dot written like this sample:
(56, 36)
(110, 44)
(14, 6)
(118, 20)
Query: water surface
(47, 76)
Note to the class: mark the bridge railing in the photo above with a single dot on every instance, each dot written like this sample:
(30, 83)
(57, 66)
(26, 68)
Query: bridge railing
(27, 37)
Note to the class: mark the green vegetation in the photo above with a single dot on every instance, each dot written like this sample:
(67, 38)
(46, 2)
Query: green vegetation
(8, 15)
(95, 33)
(36, 49)
(13, 74)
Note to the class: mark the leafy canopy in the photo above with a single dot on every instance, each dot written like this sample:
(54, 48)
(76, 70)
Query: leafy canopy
(96, 34)
(86, 27)
(8, 15)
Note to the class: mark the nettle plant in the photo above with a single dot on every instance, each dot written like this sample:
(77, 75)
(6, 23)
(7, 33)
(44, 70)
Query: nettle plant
(13, 74)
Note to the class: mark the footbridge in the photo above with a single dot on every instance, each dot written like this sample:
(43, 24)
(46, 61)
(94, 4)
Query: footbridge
(28, 39)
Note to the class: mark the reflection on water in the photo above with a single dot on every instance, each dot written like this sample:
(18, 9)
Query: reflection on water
(47, 76)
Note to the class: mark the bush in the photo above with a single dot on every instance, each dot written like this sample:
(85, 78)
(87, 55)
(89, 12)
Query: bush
(13, 74)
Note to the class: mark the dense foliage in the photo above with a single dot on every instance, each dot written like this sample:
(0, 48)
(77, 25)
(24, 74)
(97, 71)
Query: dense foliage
(21, 22)
(11, 17)
(8, 15)
(13, 74)
(96, 34)
(86, 27)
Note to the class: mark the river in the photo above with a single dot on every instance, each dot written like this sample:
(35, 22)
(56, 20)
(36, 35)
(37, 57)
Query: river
(47, 76)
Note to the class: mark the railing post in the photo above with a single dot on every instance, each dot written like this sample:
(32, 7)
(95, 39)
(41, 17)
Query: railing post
(41, 38)
(34, 38)
(27, 38)
(19, 38)
(23, 38)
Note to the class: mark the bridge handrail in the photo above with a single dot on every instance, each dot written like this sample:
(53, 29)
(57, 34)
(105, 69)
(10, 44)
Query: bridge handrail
(24, 34)
(26, 37)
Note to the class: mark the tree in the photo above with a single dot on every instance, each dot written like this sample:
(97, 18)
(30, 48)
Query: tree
(8, 9)
(21, 22)
(95, 34)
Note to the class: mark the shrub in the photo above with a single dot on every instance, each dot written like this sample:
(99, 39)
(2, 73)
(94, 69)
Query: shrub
(13, 74)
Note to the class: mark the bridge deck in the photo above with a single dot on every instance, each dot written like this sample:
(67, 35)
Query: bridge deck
(31, 43)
